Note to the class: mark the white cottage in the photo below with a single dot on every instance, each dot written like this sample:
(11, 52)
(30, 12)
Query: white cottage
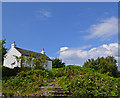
(11, 62)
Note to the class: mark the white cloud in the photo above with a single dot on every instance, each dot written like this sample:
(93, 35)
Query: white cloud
(105, 29)
(78, 56)
(42, 13)
(63, 48)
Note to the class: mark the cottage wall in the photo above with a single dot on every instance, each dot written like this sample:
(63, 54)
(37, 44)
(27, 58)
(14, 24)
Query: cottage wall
(49, 65)
(10, 60)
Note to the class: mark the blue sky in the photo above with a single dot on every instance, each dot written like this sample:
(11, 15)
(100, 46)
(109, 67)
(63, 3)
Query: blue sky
(63, 29)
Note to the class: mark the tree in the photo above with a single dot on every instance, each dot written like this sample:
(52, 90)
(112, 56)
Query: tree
(57, 63)
(39, 62)
(103, 65)
(3, 50)
(20, 59)
(111, 60)
(32, 61)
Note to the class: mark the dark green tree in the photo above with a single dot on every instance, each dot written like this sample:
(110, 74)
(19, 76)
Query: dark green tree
(57, 63)
(111, 60)
(103, 65)
(3, 50)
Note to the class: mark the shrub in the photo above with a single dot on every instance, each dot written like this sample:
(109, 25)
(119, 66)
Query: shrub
(83, 82)
(26, 81)
(75, 80)
(10, 94)
(103, 65)
(57, 63)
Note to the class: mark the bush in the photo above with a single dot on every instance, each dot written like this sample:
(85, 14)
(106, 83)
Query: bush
(80, 81)
(26, 81)
(57, 63)
(10, 94)
(75, 80)
(103, 65)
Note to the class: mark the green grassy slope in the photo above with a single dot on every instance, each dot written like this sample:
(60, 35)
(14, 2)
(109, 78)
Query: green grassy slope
(76, 80)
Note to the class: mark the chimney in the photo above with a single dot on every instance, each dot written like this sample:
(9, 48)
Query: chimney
(13, 44)
(43, 52)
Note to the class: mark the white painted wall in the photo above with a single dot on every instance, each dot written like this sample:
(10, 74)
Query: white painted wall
(49, 65)
(9, 58)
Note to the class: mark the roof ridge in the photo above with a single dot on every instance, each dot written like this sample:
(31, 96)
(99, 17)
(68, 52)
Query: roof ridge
(28, 50)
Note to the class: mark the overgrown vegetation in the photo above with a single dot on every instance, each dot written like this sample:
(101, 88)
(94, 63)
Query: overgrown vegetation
(27, 81)
(79, 81)
(76, 80)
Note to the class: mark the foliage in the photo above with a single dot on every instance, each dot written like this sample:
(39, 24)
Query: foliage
(20, 59)
(32, 61)
(10, 94)
(76, 80)
(27, 81)
(79, 81)
(103, 65)
(3, 50)
(57, 63)
(39, 62)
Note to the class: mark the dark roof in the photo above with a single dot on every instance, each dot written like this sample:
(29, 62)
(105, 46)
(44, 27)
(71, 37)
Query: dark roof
(28, 52)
